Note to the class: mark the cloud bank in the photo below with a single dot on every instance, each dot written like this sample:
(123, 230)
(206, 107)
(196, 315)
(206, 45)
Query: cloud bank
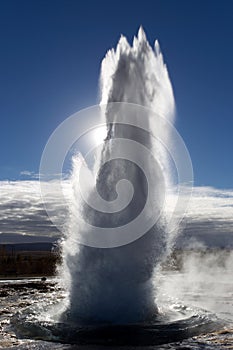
(22, 214)
(209, 218)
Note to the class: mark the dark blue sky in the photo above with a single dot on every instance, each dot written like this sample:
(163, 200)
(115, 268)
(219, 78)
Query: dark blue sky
(49, 66)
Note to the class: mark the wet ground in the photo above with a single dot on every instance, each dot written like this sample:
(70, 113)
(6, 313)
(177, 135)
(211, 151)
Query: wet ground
(18, 295)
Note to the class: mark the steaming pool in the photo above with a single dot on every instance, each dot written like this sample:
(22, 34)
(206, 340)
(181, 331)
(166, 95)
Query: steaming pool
(26, 324)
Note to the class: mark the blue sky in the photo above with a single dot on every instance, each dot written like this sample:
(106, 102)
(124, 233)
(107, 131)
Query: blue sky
(49, 67)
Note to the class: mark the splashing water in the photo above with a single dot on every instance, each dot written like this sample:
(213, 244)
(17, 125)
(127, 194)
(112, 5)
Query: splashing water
(120, 226)
(115, 284)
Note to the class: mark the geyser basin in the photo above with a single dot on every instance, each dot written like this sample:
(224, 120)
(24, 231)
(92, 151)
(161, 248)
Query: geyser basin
(125, 197)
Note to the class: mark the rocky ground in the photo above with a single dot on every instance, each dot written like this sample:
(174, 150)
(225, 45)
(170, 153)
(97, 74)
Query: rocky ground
(16, 296)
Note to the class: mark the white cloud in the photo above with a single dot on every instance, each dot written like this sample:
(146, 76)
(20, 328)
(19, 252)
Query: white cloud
(209, 217)
(29, 174)
(22, 210)
(26, 173)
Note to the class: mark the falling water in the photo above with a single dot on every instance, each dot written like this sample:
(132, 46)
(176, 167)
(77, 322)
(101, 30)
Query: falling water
(114, 285)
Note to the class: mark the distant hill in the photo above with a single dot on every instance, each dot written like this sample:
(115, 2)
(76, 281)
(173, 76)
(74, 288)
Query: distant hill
(37, 246)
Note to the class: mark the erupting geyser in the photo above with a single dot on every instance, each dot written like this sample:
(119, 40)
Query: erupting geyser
(126, 195)
(113, 283)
